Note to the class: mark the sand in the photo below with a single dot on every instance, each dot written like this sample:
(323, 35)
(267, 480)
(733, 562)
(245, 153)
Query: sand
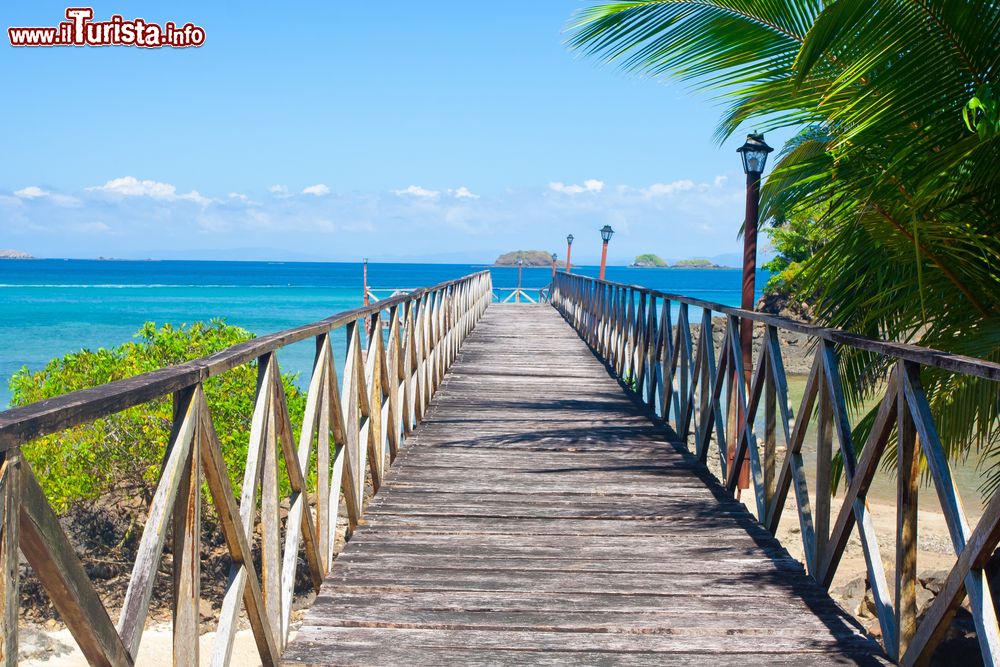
(56, 648)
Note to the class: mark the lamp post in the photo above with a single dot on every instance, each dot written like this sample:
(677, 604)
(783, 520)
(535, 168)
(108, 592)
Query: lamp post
(365, 281)
(754, 154)
(606, 233)
(569, 248)
(520, 264)
(554, 257)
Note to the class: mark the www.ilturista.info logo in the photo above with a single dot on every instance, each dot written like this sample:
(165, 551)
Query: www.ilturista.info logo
(81, 30)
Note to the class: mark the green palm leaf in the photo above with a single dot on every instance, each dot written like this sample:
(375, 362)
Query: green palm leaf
(877, 91)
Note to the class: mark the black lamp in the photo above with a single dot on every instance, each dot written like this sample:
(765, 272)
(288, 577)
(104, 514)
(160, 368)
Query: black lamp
(754, 153)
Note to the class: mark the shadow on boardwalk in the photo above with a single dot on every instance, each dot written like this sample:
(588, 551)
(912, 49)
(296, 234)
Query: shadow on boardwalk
(539, 517)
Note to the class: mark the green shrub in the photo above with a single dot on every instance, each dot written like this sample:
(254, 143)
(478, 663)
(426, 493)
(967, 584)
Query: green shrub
(121, 454)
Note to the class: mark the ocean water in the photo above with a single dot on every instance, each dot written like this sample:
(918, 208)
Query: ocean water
(50, 307)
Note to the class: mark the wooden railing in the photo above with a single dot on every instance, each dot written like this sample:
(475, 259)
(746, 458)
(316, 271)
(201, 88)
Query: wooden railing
(521, 294)
(397, 353)
(682, 382)
(500, 294)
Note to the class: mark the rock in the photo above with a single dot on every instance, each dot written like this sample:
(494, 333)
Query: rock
(51, 624)
(933, 580)
(851, 594)
(924, 598)
(205, 610)
(874, 628)
(100, 571)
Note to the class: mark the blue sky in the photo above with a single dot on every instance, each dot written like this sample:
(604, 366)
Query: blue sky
(395, 130)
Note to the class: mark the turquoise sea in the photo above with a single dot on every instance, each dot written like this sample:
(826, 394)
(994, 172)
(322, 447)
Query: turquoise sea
(49, 307)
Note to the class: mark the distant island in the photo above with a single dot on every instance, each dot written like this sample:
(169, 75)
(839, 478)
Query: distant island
(697, 264)
(530, 258)
(649, 261)
(14, 254)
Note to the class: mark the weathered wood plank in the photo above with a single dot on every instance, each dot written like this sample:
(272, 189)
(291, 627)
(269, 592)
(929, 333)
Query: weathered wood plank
(10, 500)
(538, 512)
(51, 556)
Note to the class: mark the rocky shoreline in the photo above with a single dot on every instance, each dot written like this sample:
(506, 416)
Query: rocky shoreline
(797, 349)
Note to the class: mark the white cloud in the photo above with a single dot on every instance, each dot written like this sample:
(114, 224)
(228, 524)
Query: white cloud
(130, 186)
(463, 193)
(34, 192)
(589, 185)
(318, 190)
(720, 181)
(417, 191)
(279, 190)
(676, 219)
(667, 189)
(30, 192)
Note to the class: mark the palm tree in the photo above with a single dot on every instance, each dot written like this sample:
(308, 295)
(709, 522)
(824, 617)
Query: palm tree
(876, 92)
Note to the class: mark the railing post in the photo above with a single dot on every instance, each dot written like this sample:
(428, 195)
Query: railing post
(10, 498)
(907, 485)
(187, 552)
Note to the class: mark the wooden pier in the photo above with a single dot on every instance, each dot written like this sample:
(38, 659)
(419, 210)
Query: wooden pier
(538, 516)
(548, 500)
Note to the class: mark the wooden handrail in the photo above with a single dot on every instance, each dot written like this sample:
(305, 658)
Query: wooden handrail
(633, 331)
(922, 355)
(28, 422)
(398, 351)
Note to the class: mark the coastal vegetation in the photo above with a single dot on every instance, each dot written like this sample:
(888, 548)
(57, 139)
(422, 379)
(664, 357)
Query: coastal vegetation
(796, 239)
(118, 458)
(649, 260)
(696, 263)
(889, 191)
(529, 257)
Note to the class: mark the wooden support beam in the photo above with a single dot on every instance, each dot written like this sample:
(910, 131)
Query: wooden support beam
(10, 510)
(51, 556)
(187, 559)
(132, 618)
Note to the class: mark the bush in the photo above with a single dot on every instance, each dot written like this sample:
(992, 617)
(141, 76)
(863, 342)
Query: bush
(120, 455)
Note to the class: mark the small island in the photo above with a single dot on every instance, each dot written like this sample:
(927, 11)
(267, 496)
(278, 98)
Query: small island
(697, 264)
(649, 261)
(14, 254)
(530, 258)
(652, 261)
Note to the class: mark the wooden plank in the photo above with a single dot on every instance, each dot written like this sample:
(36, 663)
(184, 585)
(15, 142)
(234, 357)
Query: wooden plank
(270, 519)
(187, 559)
(537, 502)
(237, 580)
(299, 524)
(980, 600)
(132, 618)
(824, 469)
(10, 500)
(236, 529)
(907, 485)
(979, 548)
(55, 564)
(323, 454)
(770, 423)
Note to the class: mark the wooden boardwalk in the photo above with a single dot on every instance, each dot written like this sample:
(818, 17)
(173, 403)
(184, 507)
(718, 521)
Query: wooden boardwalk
(538, 516)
